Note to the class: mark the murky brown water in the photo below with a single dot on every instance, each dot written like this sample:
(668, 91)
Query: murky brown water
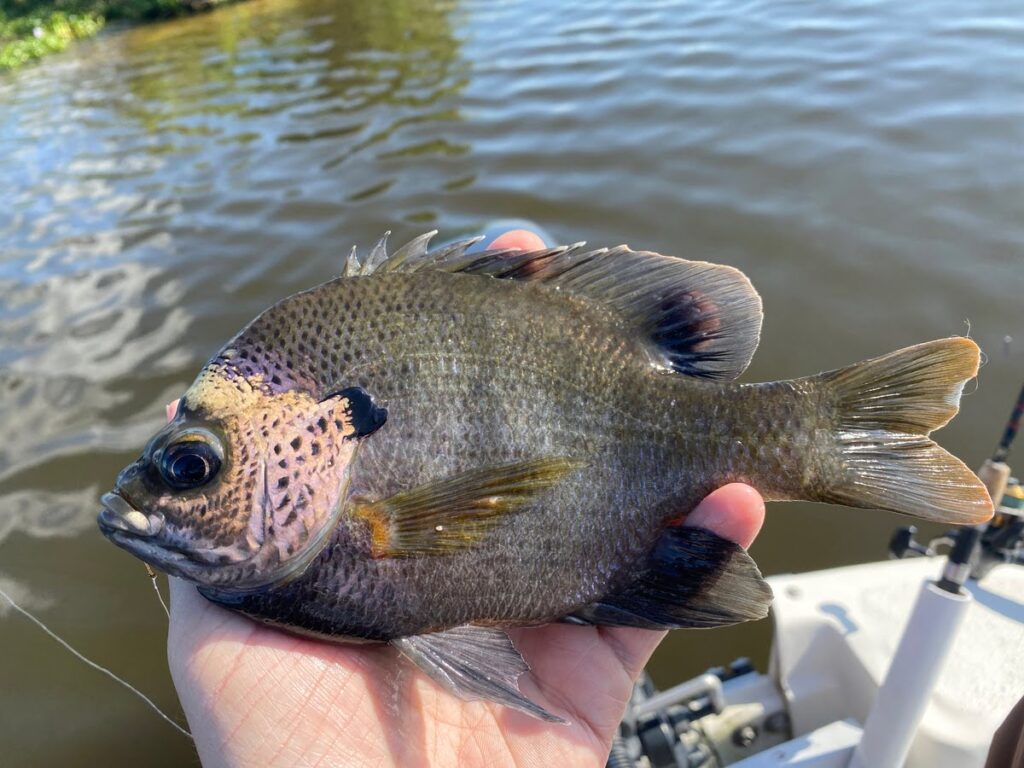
(863, 162)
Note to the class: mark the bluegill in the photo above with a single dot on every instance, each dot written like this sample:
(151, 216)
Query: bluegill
(438, 445)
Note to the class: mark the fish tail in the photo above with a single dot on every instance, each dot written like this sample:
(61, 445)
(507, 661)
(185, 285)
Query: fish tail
(882, 413)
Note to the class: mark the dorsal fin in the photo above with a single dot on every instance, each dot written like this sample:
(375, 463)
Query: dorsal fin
(701, 319)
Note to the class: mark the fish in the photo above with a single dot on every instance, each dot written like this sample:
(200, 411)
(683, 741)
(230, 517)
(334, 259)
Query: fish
(441, 444)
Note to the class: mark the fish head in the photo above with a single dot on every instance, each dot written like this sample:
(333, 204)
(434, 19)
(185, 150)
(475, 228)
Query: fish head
(242, 488)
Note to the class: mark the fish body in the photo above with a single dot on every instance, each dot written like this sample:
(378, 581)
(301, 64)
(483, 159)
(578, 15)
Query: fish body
(436, 446)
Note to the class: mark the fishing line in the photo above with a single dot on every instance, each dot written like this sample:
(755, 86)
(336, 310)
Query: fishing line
(93, 664)
(156, 588)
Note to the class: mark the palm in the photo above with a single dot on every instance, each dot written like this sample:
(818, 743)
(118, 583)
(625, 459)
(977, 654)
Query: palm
(258, 696)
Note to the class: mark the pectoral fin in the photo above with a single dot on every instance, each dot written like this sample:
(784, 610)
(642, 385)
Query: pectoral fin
(474, 663)
(448, 515)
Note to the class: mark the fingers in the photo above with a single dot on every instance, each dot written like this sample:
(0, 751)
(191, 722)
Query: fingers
(188, 610)
(181, 592)
(520, 239)
(734, 512)
(172, 408)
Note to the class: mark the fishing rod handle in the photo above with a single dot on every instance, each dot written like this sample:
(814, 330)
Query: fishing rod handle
(994, 474)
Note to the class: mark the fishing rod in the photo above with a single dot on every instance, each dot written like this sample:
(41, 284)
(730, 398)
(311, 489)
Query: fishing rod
(1002, 539)
(1010, 433)
(975, 550)
(995, 472)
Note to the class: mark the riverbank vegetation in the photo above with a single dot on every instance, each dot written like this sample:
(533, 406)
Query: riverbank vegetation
(33, 28)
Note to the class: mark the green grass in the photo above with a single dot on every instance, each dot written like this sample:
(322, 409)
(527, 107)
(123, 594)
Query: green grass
(30, 29)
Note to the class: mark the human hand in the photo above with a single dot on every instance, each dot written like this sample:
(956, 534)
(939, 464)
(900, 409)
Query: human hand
(255, 696)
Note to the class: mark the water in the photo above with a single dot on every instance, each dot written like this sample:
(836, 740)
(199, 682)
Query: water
(861, 161)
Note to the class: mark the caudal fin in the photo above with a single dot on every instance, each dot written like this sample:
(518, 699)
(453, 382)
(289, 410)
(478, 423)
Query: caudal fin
(884, 410)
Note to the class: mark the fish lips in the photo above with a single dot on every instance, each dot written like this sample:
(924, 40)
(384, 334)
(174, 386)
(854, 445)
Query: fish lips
(167, 560)
(137, 533)
(118, 514)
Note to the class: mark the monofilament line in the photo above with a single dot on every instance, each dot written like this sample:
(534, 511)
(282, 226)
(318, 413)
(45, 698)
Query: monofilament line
(156, 588)
(93, 664)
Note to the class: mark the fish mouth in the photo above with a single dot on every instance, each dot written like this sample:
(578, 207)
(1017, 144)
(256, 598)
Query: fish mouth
(135, 532)
(118, 514)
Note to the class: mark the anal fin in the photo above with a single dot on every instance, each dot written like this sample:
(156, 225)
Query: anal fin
(474, 663)
(692, 578)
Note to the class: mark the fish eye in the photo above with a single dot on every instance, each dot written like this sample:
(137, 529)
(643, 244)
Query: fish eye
(191, 461)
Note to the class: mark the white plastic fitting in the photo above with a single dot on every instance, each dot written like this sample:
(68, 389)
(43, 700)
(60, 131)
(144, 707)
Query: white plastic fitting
(915, 668)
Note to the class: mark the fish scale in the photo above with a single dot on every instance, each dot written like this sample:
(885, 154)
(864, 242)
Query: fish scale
(436, 446)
